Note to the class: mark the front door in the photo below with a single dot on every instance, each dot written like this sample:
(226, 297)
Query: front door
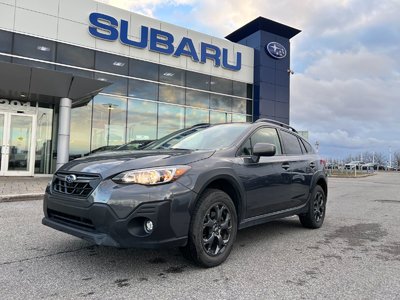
(17, 142)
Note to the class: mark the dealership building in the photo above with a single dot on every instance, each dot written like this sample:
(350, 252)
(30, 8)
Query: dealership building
(77, 75)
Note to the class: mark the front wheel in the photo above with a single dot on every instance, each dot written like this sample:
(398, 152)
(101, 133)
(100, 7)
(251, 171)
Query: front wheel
(316, 209)
(212, 230)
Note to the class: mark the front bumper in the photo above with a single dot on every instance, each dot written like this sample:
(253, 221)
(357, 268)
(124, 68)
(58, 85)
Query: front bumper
(108, 222)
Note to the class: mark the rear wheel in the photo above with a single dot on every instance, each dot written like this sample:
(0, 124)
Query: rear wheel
(314, 218)
(212, 230)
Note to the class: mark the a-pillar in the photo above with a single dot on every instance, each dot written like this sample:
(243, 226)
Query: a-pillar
(64, 126)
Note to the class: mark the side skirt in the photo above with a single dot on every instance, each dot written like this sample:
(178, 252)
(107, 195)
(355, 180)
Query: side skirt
(273, 216)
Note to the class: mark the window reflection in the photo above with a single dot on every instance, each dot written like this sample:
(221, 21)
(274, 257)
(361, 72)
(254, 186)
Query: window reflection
(143, 69)
(81, 124)
(239, 105)
(198, 81)
(170, 119)
(5, 41)
(111, 63)
(221, 85)
(75, 72)
(43, 140)
(109, 121)
(196, 116)
(119, 85)
(171, 94)
(142, 120)
(197, 99)
(143, 89)
(29, 46)
(238, 118)
(221, 102)
(172, 75)
(75, 56)
(219, 117)
(239, 89)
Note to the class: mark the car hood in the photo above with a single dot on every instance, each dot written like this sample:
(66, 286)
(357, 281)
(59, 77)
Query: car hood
(111, 163)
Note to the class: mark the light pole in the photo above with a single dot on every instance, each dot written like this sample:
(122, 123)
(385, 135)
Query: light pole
(110, 107)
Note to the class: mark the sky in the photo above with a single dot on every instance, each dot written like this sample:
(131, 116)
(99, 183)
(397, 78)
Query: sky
(346, 87)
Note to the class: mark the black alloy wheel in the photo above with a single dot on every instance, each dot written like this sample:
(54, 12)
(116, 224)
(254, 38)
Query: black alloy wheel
(315, 215)
(212, 230)
(217, 227)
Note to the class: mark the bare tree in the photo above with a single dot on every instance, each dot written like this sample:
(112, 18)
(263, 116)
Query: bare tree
(380, 158)
(396, 158)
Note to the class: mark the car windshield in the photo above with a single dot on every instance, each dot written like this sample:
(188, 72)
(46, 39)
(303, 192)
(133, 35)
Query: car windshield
(202, 138)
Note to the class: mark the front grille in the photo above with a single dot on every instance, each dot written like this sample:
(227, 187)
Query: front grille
(82, 186)
(70, 219)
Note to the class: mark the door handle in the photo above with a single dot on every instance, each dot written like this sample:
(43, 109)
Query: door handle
(285, 166)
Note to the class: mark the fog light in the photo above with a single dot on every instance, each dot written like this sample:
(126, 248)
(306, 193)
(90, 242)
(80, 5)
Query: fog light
(148, 226)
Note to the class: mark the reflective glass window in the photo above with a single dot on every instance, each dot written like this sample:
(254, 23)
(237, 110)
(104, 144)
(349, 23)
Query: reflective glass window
(219, 117)
(81, 125)
(239, 118)
(262, 135)
(171, 94)
(195, 116)
(43, 157)
(221, 85)
(249, 107)
(143, 89)
(143, 69)
(75, 72)
(198, 81)
(75, 56)
(32, 63)
(29, 46)
(172, 75)
(239, 89)
(5, 41)
(109, 121)
(119, 85)
(249, 91)
(170, 119)
(291, 143)
(111, 63)
(197, 99)
(142, 120)
(239, 105)
(220, 102)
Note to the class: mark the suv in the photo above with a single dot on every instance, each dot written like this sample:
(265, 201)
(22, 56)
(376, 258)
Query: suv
(193, 190)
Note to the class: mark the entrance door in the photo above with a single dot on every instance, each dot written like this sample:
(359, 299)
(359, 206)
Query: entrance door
(17, 144)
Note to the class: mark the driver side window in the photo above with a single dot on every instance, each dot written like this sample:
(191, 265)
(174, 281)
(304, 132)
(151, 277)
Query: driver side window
(262, 135)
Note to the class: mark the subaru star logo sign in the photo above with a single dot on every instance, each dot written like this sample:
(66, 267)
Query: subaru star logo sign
(70, 178)
(276, 50)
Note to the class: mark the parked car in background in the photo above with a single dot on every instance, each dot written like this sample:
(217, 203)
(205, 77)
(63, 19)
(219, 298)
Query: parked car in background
(357, 164)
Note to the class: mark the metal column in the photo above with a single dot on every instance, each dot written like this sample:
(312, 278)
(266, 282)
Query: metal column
(64, 126)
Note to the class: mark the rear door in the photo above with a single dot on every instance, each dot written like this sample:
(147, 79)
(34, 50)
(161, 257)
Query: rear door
(298, 168)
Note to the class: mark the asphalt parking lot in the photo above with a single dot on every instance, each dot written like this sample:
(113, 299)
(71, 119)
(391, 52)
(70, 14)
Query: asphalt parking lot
(355, 255)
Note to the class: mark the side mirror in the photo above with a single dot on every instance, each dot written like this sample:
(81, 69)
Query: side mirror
(264, 149)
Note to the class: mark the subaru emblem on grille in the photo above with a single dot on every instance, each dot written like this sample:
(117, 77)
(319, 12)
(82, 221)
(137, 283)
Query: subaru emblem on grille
(70, 178)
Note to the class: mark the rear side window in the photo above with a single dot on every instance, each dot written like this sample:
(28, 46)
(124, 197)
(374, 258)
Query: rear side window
(309, 148)
(291, 143)
(262, 135)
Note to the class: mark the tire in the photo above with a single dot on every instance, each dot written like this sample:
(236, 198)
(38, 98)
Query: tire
(314, 218)
(212, 229)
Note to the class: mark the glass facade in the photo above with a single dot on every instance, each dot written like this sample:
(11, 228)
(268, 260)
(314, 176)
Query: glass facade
(144, 101)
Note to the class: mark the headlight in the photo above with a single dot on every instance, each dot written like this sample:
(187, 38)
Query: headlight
(152, 176)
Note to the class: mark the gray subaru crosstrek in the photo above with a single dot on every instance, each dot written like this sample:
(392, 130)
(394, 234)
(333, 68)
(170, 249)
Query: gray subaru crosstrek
(192, 189)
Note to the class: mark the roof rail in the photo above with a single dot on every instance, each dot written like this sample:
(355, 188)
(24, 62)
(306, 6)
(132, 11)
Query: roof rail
(200, 124)
(276, 123)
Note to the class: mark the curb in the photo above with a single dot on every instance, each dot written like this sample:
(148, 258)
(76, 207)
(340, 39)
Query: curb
(21, 197)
